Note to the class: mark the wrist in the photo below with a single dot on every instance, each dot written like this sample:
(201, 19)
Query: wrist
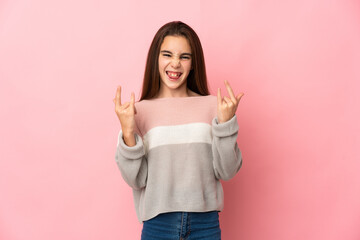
(128, 134)
(129, 139)
(221, 120)
(224, 119)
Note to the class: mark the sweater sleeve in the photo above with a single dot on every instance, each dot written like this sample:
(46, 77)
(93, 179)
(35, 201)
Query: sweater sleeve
(132, 162)
(227, 159)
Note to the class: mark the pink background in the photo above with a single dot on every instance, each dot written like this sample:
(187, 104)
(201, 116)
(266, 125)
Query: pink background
(297, 62)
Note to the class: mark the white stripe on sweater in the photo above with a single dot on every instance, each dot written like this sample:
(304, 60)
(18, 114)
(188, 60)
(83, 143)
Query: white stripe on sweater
(178, 134)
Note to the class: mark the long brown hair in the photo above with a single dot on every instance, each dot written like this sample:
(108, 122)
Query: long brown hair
(196, 80)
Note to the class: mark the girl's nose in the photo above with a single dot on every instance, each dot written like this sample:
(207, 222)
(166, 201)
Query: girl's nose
(175, 63)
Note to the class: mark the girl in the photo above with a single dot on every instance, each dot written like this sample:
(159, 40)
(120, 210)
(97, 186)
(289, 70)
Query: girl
(178, 141)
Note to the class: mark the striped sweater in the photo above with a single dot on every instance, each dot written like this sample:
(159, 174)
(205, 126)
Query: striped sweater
(180, 155)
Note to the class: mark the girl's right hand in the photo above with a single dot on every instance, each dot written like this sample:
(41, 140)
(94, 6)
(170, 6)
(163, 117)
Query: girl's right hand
(126, 114)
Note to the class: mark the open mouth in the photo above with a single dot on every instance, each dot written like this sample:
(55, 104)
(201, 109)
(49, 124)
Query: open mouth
(173, 75)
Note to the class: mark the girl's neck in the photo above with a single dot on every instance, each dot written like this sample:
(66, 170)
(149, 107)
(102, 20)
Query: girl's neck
(176, 94)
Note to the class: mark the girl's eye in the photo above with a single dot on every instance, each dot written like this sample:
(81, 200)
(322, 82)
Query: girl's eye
(166, 55)
(185, 57)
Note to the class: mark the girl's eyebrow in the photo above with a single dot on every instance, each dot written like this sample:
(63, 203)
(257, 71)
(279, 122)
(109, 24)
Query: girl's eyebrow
(166, 51)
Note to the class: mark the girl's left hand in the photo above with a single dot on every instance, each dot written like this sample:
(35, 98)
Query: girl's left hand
(226, 107)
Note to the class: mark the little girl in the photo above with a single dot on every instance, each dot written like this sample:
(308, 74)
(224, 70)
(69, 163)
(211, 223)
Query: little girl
(178, 141)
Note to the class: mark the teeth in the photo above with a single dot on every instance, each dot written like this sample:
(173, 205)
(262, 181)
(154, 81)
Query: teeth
(173, 74)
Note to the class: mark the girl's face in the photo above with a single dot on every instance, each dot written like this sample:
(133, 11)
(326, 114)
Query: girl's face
(174, 65)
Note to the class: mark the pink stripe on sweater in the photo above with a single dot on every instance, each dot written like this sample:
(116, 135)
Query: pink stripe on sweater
(174, 111)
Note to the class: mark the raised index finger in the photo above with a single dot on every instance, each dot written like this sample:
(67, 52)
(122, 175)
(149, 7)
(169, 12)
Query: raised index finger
(118, 95)
(219, 100)
(230, 91)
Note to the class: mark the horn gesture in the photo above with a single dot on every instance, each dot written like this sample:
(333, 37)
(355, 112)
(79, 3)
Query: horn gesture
(226, 106)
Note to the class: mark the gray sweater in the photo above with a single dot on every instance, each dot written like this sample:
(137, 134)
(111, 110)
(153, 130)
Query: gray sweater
(180, 155)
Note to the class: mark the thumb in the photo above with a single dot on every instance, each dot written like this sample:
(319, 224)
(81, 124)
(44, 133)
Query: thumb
(239, 96)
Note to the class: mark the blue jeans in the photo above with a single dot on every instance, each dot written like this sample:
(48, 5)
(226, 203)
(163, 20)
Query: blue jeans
(182, 226)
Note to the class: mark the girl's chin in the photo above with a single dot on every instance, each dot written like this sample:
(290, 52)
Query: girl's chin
(173, 80)
(173, 84)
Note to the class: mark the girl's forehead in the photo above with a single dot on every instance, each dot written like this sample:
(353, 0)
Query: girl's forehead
(176, 44)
